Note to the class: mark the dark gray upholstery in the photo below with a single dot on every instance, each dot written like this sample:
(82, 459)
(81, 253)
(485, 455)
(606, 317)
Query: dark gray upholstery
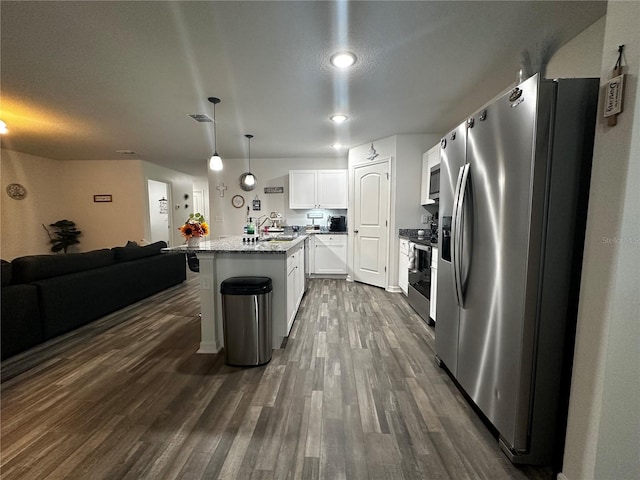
(44, 296)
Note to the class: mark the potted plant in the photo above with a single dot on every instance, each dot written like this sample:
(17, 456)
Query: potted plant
(65, 236)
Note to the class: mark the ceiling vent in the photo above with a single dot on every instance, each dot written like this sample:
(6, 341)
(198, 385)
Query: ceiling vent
(127, 152)
(200, 117)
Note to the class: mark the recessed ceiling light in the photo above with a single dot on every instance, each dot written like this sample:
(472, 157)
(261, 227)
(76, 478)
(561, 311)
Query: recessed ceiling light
(3, 128)
(343, 59)
(338, 118)
(337, 146)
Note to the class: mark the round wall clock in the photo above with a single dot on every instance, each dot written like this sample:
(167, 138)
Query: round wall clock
(237, 201)
(16, 191)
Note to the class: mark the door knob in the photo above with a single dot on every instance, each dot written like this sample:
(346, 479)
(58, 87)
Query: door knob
(355, 231)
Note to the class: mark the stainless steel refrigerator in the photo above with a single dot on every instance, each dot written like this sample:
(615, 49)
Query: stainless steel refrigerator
(514, 185)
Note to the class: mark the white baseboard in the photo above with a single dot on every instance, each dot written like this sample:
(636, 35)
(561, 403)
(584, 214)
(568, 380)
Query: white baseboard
(394, 289)
(207, 347)
(562, 476)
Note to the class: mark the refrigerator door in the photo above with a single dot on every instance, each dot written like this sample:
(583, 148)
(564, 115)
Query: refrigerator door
(497, 212)
(452, 159)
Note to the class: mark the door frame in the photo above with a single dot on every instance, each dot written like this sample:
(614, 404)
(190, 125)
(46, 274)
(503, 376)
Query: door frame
(170, 209)
(351, 214)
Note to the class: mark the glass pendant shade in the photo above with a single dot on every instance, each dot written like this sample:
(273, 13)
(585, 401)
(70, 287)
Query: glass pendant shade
(248, 180)
(215, 162)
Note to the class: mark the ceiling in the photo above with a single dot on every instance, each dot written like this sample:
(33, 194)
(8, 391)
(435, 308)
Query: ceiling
(81, 80)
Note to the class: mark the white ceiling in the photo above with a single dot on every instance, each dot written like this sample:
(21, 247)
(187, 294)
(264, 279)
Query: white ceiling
(81, 80)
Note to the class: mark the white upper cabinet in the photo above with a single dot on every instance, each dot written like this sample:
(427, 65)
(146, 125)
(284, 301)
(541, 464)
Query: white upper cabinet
(318, 189)
(430, 159)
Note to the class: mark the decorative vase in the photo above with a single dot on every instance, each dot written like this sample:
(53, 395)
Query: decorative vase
(193, 242)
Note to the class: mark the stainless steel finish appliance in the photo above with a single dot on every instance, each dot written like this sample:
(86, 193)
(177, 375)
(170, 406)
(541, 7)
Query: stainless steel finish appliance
(246, 320)
(513, 197)
(419, 289)
(338, 224)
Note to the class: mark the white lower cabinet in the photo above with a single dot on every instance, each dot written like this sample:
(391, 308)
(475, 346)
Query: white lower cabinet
(295, 284)
(403, 265)
(434, 283)
(329, 254)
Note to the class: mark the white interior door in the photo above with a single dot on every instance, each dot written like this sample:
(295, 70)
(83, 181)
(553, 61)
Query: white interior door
(159, 218)
(371, 223)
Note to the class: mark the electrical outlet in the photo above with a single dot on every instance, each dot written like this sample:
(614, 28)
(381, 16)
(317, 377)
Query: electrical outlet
(425, 218)
(205, 283)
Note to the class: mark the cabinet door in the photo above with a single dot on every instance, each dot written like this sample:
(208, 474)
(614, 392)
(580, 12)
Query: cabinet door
(300, 276)
(332, 188)
(424, 185)
(330, 254)
(302, 189)
(291, 296)
(403, 266)
(434, 283)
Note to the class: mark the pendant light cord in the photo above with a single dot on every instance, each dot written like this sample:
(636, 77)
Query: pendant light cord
(215, 136)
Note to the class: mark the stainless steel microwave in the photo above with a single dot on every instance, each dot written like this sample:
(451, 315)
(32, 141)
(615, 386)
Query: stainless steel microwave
(434, 183)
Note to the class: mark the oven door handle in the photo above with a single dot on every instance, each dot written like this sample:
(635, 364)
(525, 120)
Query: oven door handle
(424, 248)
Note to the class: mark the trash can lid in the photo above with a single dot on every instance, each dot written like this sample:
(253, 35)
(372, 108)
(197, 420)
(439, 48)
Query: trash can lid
(246, 286)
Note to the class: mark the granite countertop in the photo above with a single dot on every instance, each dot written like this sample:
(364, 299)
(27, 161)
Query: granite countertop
(236, 245)
(412, 235)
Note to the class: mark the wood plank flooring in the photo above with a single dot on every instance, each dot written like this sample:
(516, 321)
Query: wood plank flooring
(355, 394)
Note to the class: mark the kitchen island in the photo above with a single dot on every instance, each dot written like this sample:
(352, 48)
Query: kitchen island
(280, 258)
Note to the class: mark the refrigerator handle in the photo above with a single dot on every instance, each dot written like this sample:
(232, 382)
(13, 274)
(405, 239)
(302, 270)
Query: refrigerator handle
(458, 239)
(454, 233)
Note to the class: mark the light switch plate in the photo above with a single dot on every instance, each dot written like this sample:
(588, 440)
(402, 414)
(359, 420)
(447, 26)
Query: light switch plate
(425, 218)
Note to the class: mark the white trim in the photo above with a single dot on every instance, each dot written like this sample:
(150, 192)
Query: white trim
(394, 289)
(562, 476)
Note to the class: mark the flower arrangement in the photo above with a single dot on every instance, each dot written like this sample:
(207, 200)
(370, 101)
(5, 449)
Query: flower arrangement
(195, 226)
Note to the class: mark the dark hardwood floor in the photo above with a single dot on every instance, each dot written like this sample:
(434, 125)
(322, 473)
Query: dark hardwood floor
(355, 394)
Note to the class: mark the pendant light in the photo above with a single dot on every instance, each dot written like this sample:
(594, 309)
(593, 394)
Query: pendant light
(248, 180)
(215, 162)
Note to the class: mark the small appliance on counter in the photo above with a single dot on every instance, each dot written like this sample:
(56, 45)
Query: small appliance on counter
(338, 224)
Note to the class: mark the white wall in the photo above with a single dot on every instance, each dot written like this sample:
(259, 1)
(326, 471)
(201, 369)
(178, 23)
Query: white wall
(580, 57)
(270, 172)
(180, 207)
(603, 432)
(159, 221)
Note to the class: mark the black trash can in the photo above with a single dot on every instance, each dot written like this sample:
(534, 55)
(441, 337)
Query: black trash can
(246, 320)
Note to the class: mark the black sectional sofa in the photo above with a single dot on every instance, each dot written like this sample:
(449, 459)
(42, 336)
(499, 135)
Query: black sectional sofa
(44, 296)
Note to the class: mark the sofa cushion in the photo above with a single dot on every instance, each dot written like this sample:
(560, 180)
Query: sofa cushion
(21, 326)
(38, 267)
(126, 254)
(6, 273)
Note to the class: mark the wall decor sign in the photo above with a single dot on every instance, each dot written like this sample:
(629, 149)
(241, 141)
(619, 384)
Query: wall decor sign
(102, 198)
(256, 204)
(273, 189)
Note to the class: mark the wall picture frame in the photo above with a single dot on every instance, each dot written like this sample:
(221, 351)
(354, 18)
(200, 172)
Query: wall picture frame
(102, 198)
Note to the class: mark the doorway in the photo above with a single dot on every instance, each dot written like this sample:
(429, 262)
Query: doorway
(371, 223)
(159, 218)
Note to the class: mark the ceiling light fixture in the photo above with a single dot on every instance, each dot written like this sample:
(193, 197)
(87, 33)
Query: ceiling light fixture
(337, 146)
(215, 162)
(248, 180)
(343, 59)
(3, 128)
(339, 118)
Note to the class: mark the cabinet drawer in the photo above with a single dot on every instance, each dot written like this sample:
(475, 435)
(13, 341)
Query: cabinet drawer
(404, 246)
(331, 239)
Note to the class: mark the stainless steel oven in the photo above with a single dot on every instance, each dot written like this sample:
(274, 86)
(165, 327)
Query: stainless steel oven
(419, 289)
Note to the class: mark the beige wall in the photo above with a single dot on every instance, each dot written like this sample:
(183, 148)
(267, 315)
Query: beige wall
(65, 189)
(271, 172)
(603, 432)
(21, 231)
(109, 224)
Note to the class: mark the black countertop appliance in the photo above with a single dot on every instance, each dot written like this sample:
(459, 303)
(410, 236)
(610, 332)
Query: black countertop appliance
(338, 224)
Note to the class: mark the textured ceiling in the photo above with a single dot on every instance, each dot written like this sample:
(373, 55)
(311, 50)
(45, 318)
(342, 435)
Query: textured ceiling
(81, 80)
